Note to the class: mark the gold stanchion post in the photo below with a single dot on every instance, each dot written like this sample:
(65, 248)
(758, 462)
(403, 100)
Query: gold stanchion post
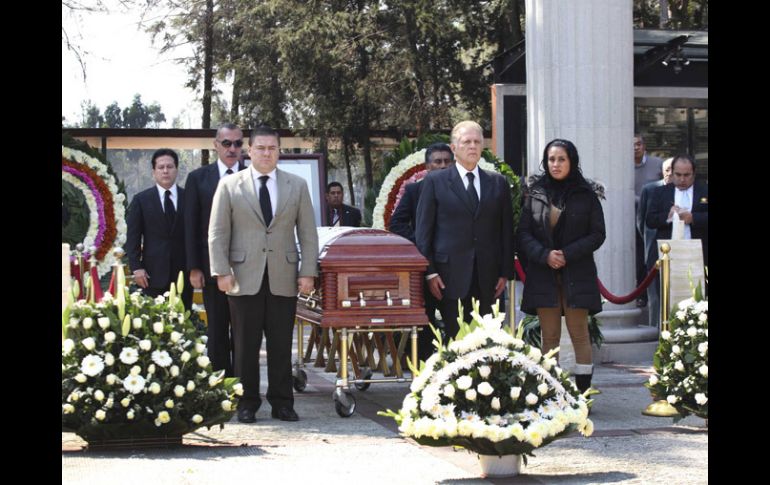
(662, 408)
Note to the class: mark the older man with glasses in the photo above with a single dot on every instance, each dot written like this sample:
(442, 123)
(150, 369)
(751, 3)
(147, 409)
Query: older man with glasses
(199, 193)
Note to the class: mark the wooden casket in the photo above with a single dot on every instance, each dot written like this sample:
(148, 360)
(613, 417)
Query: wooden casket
(367, 277)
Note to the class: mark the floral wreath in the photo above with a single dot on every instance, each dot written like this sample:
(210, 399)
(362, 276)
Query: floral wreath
(491, 393)
(106, 221)
(408, 170)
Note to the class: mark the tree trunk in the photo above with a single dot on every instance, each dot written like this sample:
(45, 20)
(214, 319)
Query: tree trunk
(663, 14)
(422, 116)
(347, 147)
(236, 99)
(208, 71)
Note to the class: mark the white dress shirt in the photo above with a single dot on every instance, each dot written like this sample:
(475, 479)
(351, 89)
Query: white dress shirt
(476, 183)
(223, 168)
(683, 199)
(272, 186)
(162, 195)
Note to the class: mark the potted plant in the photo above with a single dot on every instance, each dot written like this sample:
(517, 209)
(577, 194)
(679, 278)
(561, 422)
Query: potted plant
(134, 371)
(493, 394)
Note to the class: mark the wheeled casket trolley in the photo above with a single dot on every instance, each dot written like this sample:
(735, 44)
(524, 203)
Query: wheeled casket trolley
(369, 281)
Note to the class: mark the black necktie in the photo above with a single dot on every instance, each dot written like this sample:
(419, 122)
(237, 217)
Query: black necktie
(229, 171)
(264, 200)
(168, 208)
(472, 194)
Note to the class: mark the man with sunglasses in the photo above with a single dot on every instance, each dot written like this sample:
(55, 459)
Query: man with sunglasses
(199, 193)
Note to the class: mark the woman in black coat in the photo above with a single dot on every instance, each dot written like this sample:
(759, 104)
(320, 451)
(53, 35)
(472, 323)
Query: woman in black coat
(562, 224)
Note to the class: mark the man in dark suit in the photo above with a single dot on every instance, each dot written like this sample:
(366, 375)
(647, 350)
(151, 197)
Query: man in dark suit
(650, 241)
(438, 156)
(254, 257)
(686, 197)
(337, 213)
(465, 230)
(155, 237)
(647, 168)
(200, 187)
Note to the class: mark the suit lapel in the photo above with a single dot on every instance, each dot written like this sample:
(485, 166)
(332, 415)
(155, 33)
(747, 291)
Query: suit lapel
(485, 183)
(179, 207)
(456, 185)
(157, 208)
(212, 179)
(285, 189)
(246, 185)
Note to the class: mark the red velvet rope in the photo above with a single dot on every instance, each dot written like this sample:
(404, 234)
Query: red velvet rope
(618, 300)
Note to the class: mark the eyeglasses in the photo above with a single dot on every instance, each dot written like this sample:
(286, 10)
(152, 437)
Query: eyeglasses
(229, 143)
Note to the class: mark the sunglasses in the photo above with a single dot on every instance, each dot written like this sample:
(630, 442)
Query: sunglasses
(229, 143)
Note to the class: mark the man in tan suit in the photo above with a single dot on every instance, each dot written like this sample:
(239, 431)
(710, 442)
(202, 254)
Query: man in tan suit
(254, 258)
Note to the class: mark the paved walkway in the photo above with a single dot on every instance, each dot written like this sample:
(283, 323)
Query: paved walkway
(322, 448)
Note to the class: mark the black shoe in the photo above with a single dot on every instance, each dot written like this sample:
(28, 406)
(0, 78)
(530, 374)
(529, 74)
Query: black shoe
(247, 416)
(284, 414)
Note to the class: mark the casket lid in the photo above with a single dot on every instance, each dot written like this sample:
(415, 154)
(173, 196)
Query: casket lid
(373, 247)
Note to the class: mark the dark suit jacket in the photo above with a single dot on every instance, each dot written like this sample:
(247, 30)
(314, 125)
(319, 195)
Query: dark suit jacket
(402, 222)
(450, 235)
(649, 234)
(150, 244)
(350, 216)
(199, 192)
(661, 200)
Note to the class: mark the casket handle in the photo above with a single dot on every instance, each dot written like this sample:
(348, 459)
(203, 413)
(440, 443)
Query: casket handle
(309, 302)
(361, 300)
(389, 299)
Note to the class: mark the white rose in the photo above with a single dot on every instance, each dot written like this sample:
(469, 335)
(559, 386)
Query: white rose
(485, 388)
(135, 370)
(464, 382)
(109, 337)
(178, 391)
(449, 391)
(145, 345)
(81, 378)
(104, 322)
(137, 323)
(484, 371)
(199, 347)
(672, 399)
(702, 318)
(470, 395)
(190, 386)
(653, 379)
(703, 348)
(185, 356)
(676, 349)
(155, 388)
(174, 370)
(515, 393)
(109, 359)
(100, 415)
(704, 370)
(531, 399)
(151, 369)
(110, 402)
(89, 343)
(175, 336)
(125, 402)
(88, 322)
(238, 389)
(197, 419)
(542, 389)
(130, 414)
(665, 335)
(701, 398)
(535, 354)
(691, 332)
(68, 408)
(169, 403)
(99, 395)
(678, 365)
(157, 327)
(495, 403)
(163, 417)
(67, 346)
(203, 361)
(111, 378)
(227, 405)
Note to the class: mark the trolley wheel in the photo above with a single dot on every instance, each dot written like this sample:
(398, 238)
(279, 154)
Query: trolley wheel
(300, 380)
(365, 385)
(344, 403)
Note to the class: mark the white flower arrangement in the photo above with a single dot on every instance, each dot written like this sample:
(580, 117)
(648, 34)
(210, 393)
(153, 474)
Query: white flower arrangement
(389, 189)
(491, 393)
(122, 379)
(106, 228)
(681, 361)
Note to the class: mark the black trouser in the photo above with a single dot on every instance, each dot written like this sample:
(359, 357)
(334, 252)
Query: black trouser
(425, 336)
(448, 306)
(253, 315)
(220, 346)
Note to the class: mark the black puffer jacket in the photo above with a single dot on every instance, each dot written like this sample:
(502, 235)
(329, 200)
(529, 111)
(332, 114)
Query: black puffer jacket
(581, 231)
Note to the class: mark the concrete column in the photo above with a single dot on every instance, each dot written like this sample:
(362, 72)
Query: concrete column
(580, 87)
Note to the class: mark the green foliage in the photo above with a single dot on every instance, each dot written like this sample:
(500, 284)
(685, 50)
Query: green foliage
(530, 326)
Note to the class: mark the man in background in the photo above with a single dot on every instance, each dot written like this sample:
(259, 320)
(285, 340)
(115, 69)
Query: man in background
(337, 213)
(646, 169)
(200, 187)
(155, 236)
(438, 156)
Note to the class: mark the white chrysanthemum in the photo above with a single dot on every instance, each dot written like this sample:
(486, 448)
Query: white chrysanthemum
(701, 398)
(91, 365)
(535, 354)
(128, 355)
(134, 383)
(161, 358)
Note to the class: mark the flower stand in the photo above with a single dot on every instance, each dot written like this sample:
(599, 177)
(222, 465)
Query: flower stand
(500, 466)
